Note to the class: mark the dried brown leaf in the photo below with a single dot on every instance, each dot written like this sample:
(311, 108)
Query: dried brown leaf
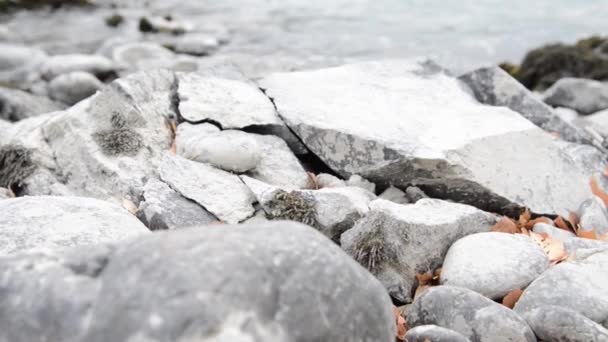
(401, 324)
(524, 217)
(505, 225)
(511, 298)
(587, 234)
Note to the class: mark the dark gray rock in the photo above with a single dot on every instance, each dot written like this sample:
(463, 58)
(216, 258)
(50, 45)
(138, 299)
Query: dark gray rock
(164, 208)
(583, 95)
(17, 105)
(554, 323)
(257, 283)
(73, 87)
(407, 123)
(495, 87)
(593, 216)
(434, 333)
(493, 264)
(59, 222)
(469, 313)
(397, 241)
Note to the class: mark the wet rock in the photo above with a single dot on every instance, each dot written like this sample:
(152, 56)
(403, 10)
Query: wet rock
(73, 87)
(593, 215)
(99, 66)
(469, 313)
(395, 242)
(325, 180)
(202, 290)
(358, 181)
(17, 105)
(221, 193)
(164, 208)
(389, 123)
(553, 323)
(583, 95)
(553, 232)
(493, 264)
(135, 55)
(60, 222)
(394, 195)
(331, 210)
(493, 86)
(575, 285)
(424, 333)
(18, 63)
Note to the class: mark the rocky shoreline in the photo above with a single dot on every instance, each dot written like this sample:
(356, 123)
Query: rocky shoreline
(146, 195)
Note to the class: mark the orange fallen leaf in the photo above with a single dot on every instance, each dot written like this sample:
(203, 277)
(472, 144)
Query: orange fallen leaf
(130, 206)
(597, 191)
(401, 324)
(505, 225)
(573, 218)
(511, 298)
(587, 234)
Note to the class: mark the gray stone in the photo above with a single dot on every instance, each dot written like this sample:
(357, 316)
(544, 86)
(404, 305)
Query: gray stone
(5, 194)
(493, 264)
(574, 245)
(325, 180)
(593, 216)
(434, 333)
(60, 222)
(578, 285)
(494, 86)
(54, 66)
(394, 195)
(554, 323)
(415, 194)
(567, 114)
(163, 208)
(358, 181)
(17, 105)
(331, 210)
(257, 283)
(135, 55)
(73, 87)
(583, 95)
(160, 24)
(395, 242)
(553, 232)
(18, 63)
(221, 193)
(197, 44)
(408, 123)
(469, 313)
(587, 158)
(598, 121)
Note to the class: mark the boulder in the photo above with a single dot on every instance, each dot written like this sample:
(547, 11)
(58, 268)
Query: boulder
(493, 264)
(554, 323)
(60, 222)
(331, 210)
(99, 66)
(269, 282)
(221, 193)
(583, 95)
(164, 208)
(495, 87)
(434, 333)
(73, 87)
(593, 215)
(577, 285)
(469, 313)
(17, 105)
(407, 123)
(395, 242)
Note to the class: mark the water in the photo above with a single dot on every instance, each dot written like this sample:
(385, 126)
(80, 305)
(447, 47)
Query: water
(278, 34)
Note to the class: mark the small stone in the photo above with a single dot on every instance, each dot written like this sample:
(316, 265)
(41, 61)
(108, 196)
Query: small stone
(325, 180)
(57, 65)
(196, 44)
(394, 195)
(554, 323)
(593, 216)
(162, 25)
(221, 193)
(567, 114)
(469, 313)
(19, 63)
(493, 264)
(583, 95)
(415, 194)
(134, 55)
(114, 20)
(358, 181)
(434, 333)
(553, 232)
(5, 194)
(73, 87)
(17, 105)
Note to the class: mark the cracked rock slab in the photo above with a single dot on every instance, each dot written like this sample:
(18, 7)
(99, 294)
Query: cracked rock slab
(469, 313)
(395, 242)
(221, 193)
(61, 222)
(407, 122)
(493, 264)
(196, 285)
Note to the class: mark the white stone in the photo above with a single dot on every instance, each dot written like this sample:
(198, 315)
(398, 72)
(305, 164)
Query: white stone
(73, 87)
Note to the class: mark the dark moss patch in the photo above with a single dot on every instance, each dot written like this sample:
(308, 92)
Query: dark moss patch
(119, 141)
(146, 26)
(370, 252)
(114, 20)
(15, 165)
(293, 206)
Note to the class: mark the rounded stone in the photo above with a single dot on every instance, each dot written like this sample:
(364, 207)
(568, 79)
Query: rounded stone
(73, 87)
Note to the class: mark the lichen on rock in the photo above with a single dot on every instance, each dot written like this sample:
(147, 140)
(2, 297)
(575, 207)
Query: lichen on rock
(294, 206)
(120, 139)
(15, 165)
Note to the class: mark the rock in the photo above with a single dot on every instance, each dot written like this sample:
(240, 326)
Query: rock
(425, 333)
(577, 285)
(325, 180)
(395, 242)
(574, 245)
(469, 313)
(553, 323)
(221, 193)
(135, 55)
(567, 114)
(163, 25)
(358, 181)
(60, 222)
(414, 194)
(583, 95)
(587, 158)
(394, 195)
(553, 232)
(18, 63)
(493, 264)
(593, 215)
(5, 194)
(73, 87)
(331, 210)
(17, 105)
(198, 44)
(493, 86)
(163, 208)
(202, 290)
(406, 123)
(597, 122)
(99, 66)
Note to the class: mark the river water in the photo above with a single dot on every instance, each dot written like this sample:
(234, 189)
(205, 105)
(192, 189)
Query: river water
(268, 35)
